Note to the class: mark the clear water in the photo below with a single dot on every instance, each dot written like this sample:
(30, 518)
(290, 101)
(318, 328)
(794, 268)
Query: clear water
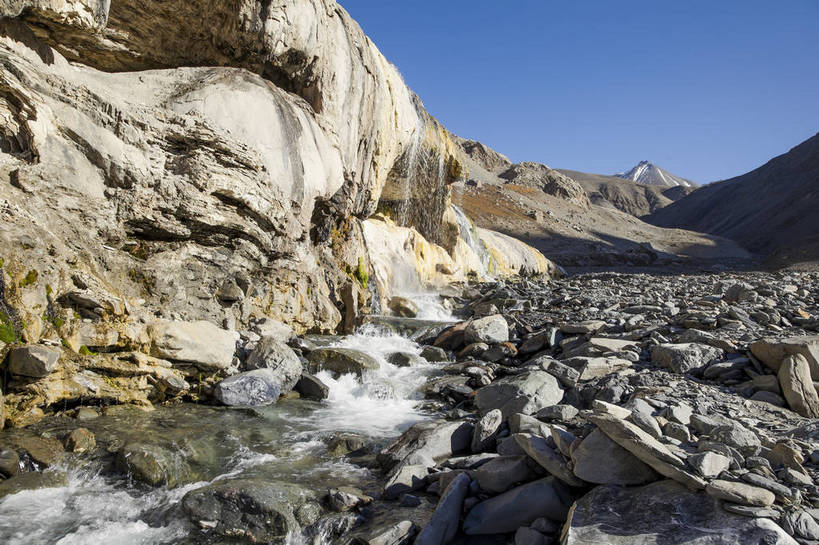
(285, 442)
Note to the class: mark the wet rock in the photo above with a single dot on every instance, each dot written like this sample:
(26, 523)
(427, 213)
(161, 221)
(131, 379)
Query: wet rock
(399, 533)
(202, 343)
(492, 329)
(401, 306)
(443, 526)
(346, 498)
(427, 443)
(797, 386)
(405, 359)
(451, 338)
(249, 389)
(310, 387)
(682, 358)
(43, 452)
(153, 465)
(740, 493)
(9, 463)
(87, 413)
(252, 511)
(342, 361)
(600, 460)
(433, 354)
(486, 431)
(273, 354)
(526, 393)
(33, 361)
(677, 515)
(502, 473)
(519, 507)
(536, 448)
(32, 480)
(80, 440)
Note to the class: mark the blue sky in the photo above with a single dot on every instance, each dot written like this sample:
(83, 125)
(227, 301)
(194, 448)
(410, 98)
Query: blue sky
(706, 89)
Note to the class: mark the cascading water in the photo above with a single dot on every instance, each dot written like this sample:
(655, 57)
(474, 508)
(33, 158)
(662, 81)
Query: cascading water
(469, 234)
(286, 442)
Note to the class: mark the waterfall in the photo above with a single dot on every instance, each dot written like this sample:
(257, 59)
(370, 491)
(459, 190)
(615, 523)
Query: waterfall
(469, 234)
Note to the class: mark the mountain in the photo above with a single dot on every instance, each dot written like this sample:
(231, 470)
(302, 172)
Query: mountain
(629, 197)
(650, 174)
(770, 211)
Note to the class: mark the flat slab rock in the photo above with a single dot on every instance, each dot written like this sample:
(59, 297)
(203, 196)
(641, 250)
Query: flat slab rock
(663, 513)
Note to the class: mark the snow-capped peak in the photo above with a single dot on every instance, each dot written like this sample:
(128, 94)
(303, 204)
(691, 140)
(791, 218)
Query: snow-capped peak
(650, 174)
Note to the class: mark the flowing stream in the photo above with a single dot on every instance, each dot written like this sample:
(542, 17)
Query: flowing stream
(286, 442)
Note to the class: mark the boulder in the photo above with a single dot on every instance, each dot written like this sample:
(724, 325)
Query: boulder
(773, 352)
(271, 353)
(662, 513)
(709, 464)
(549, 459)
(492, 329)
(741, 493)
(519, 507)
(427, 443)
(401, 306)
(259, 511)
(526, 393)
(153, 465)
(504, 472)
(600, 460)
(682, 358)
(486, 431)
(201, 343)
(33, 361)
(433, 354)
(310, 387)
(590, 368)
(249, 389)
(80, 440)
(405, 359)
(342, 361)
(443, 525)
(797, 386)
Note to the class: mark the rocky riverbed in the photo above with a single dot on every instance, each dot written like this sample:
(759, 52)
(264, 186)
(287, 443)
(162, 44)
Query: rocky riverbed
(600, 408)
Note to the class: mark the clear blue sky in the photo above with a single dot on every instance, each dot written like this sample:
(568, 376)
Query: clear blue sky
(708, 89)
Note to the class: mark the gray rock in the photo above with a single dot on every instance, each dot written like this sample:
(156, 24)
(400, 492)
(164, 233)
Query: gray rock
(486, 431)
(582, 328)
(433, 354)
(590, 368)
(676, 515)
(399, 533)
(249, 389)
(737, 436)
(526, 393)
(33, 361)
(740, 493)
(600, 460)
(405, 359)
(550, 460)
(342, 361)
(346, 498)
(32, 480)
(768, 484)
(153, 465)
(405, 478)
(519, 507)
(492, 329)
(797, 386)
(259, 511)
(709, 464)
(502, 473)
(310, 387)
(647, 423)
(428, 443)
(271, 353)
(529, 536)
(677, 431)
(753, 512)
(522, 423)
(401, 306)
(202, 343)
(568, 376)
(443, 525)
(562, 413)
(682, 358)
(801, 524)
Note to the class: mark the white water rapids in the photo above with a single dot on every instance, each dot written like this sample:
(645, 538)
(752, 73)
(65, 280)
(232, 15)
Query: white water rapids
(286, 442)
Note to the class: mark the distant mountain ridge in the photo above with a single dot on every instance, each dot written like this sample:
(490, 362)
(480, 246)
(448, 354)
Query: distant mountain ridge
(647, 173)
(772, 211)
